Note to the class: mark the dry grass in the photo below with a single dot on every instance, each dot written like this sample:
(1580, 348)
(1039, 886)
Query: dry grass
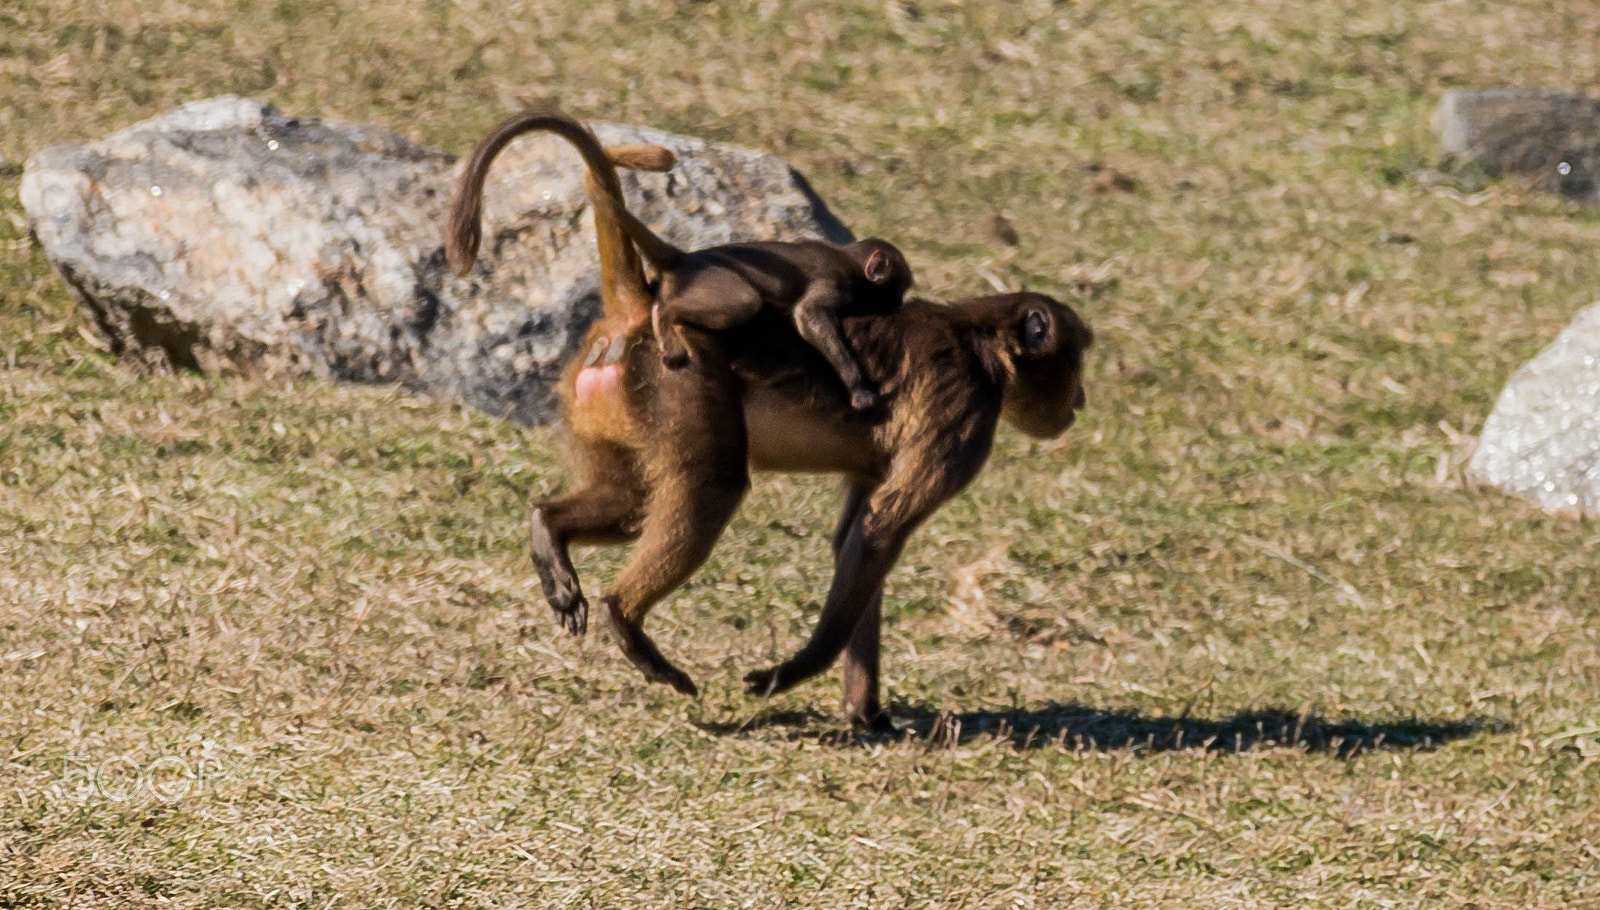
(1243, 639)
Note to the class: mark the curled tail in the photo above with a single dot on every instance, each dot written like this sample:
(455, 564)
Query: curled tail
(622, 285)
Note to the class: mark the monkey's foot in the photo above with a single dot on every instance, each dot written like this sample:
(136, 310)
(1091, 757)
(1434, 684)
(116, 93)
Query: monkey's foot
(877, 723)
(556, 577)
(862, 399)
(576, 619)
(673, 353)
(643, 654)
(569, 604)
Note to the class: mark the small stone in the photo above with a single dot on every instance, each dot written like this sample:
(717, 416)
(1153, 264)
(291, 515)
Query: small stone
(998, 229)
(1108, 178)
(1551, 137)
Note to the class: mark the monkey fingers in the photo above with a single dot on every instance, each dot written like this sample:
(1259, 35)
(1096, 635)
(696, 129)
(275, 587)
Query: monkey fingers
(766, 683)
(575, 620)
(598, 512)
(879, 723)
(876, 721)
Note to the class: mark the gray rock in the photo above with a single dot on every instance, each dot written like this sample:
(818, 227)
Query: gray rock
(227, 237)
(1542, 440)
(1551, 137)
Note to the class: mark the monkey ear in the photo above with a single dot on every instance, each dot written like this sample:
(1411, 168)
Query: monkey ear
(877, 267)
(1035, 330)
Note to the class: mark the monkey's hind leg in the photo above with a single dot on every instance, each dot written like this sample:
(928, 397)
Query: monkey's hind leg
(712, 299)
(606, 510)
(684, 523)
(702, 477)
(669, 339)
(870, 543)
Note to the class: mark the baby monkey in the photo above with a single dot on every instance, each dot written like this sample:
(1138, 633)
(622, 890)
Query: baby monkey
(721, 287)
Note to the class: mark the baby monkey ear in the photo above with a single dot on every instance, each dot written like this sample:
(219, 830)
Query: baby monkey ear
(1035, 330)
(877, 267)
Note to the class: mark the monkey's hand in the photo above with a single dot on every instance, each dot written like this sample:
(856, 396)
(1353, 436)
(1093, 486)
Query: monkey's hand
(879, 724)
(863, 398)
(766, 683)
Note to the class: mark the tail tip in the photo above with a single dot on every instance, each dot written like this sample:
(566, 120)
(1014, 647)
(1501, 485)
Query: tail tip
(643, 156)
(459, 260)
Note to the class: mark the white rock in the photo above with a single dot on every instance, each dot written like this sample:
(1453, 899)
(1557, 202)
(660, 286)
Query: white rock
(1542, 440)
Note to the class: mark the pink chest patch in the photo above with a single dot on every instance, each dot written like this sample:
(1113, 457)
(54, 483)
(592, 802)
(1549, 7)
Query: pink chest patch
(598, 382)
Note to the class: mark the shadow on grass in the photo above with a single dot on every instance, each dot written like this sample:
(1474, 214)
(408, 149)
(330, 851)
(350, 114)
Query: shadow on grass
(1078, 727)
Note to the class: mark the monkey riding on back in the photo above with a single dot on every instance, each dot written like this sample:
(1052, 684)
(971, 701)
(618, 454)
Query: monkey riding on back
(721, 287)
(663, 455)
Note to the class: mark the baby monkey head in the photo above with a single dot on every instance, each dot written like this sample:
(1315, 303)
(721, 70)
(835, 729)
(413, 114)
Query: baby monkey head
(883, 265)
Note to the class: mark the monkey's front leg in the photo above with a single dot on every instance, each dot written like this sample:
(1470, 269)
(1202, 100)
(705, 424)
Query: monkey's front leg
(869, 551)
(861, 705)
(877, 532)
(816, 317)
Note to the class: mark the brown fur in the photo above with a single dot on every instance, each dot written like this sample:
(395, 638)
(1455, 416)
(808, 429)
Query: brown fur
(624, 299)
(664, 461)
(719, 287)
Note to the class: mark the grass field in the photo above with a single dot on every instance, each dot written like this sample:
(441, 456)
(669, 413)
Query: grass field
(1243, 638)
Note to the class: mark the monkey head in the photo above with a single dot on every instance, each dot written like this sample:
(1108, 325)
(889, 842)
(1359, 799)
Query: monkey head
(1042, 341)
(883, 264)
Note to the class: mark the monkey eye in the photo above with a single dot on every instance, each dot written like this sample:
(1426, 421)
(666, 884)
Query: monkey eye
(1035, 331)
